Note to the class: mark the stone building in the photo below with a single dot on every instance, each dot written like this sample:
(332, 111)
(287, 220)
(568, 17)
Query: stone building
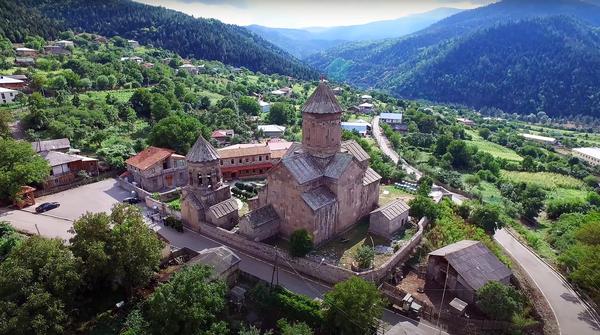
(157, 169)
(385, 221)
(322, 185)
(206, 198)
(225, 263)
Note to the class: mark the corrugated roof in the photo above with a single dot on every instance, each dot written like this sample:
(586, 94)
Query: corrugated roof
(58, 144)
(225, 153)
(370, 177)
(337, 165)
(9, 80)
(302, 167)
(220, 259)
(356, 150)
(473, 262)
(391, 116)
(223, 208)
(262, 216)
(319, 197)
(322, 101)
(148, 157)
(55, 158)
(272, 128)
(202, 152)
(393, 209)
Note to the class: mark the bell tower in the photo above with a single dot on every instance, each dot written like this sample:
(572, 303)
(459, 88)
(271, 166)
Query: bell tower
(321, 123)
(203, 167)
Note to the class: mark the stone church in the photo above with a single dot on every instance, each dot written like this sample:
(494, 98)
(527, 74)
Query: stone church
(323, 185)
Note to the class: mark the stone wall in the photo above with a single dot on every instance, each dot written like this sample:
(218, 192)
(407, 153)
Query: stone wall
(143, 194)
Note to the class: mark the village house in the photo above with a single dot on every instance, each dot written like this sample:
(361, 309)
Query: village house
(157, 169)
(136, 59)
(322, 185)
(366, 98)
(225, 264)
(206, 198)
(272, 130)
(7, 95)
(12, 83)
(362, 127)
(56, 50)
(394, 120)
(64, 44)
(338, 91)
(588, 155)
(387, 220)
(25, 52)
(366, 107)
(265, 107)
(24, 61)
(59, 145)
(245, 161)
(465, 121)
(65, 168)
(222, 136)
(190, 68)
(283, 92)
(133, 44)
(464, 267)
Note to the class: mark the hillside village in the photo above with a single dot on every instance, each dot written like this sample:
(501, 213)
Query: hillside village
(280, 198)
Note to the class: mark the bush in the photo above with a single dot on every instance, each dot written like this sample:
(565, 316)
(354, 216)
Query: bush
(301, 243)
(499, 301)
(171, 221)
(364, 256)
(557, 207)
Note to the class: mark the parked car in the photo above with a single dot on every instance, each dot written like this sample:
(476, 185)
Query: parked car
(46, 207)
(131, 200)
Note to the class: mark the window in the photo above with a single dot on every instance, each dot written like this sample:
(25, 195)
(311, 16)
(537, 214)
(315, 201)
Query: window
(232, 162)
(259, 158)
(240, 161)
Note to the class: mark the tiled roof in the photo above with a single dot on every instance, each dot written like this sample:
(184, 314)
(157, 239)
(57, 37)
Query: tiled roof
(149, 157)
(370, 177)
(473, 262)
(225, 153)
(337, 165)
(322, 101)
(319, 197)
(55, 158)
(302, 167)
(393, 209)
(356, 150)
(223, 208)
(58, 144)
(202, 152)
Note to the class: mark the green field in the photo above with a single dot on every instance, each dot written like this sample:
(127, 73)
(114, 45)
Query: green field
(547, 180)
(494, 149)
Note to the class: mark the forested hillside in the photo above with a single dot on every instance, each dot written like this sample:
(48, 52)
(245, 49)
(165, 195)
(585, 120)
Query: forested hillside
(16, 22)
(168, 29)
(405, 66)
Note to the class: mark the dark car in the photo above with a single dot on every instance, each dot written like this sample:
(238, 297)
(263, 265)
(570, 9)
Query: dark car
(46, 206)
(131, 200)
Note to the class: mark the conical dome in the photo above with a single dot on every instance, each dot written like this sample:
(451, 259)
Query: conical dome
(322, 101)
(202, 152)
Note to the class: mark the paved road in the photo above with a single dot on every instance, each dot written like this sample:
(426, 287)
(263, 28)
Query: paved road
(571, 314)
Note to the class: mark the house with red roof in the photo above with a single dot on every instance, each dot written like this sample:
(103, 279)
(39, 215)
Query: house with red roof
(222, 136)
(157, 169)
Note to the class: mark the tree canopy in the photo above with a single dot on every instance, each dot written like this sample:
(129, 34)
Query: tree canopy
(19, 166)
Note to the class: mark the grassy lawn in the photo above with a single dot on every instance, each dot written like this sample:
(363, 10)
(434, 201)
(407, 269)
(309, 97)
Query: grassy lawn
(546, 180)
(489, 192)
(389, 193)
(494, 149)
(214, 97)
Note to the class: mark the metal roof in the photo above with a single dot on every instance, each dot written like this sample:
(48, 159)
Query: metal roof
(393, 210)
(57, 144)
(220, 259)
(337, 165)
(224, 208)
(370, 177)
(356, 150)
(319, 197)
(322, 101)
(271, 128)
(592, 152)
(302, 167)
(473, 262)
(202, 152)
(9, 80)
(55, 158)
(391, 116)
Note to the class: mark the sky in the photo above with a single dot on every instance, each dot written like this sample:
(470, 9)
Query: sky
(307, 13)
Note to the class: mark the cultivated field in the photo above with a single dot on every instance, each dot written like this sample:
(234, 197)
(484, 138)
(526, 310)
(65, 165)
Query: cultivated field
(546, 180)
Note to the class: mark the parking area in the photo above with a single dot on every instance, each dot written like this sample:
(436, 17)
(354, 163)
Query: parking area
(96, 197)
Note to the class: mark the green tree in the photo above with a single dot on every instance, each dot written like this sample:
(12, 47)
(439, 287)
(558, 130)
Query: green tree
(299, 328)
(281, 113)
(178, 132)
(425, 185)
(421, 206)
(188, 304)
(160, 107)
(499, 301)
(5, 120)
(364, 256)
(485, 133)
(19, 165)
(141, 102)
(487, 217)
(301, 243)
(248, 105)
(352, 307)
(102, 82)
(532, 199)
(38, 282)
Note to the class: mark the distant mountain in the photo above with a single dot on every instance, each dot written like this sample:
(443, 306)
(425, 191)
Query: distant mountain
(190, 37)
(306, 41)
(466, 59)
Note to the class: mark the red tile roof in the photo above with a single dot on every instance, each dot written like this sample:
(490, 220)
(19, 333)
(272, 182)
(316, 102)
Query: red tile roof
(149, 157)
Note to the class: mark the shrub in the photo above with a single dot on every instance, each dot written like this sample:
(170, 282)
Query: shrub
(557, 207)
(499, 301)
(364, 256)
(301, 243)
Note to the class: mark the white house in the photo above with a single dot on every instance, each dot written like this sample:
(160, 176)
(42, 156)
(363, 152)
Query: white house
(361, 126)
(589, 155)
(7, 95)
(136, 59)
(133, 43)
(189, 68)
(366, 107)
(272, 130)
(540, 139)
(284, 91)
(64, 43)
(265, 107)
